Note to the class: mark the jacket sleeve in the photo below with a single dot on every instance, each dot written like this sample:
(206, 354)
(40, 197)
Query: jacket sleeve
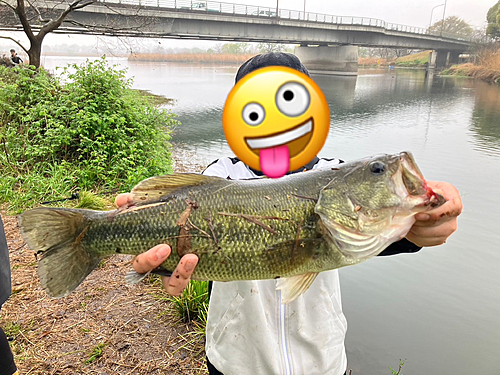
(402, 246)
(5, 286)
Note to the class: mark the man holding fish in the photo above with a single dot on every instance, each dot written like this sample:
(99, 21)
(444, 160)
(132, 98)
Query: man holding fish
(249, 328)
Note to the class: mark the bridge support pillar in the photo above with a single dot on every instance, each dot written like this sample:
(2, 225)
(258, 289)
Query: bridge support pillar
(441, 59)
(339, 60)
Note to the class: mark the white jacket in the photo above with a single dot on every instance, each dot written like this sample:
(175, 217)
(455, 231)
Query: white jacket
(250, 332)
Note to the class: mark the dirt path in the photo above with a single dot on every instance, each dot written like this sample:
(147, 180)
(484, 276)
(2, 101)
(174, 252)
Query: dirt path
(104, 327)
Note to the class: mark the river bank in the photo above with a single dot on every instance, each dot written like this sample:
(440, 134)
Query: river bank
(487, 67)
(484, 73)
(104, 327)
(201, 58)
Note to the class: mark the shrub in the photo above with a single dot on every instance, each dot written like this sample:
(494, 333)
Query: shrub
(88, 130)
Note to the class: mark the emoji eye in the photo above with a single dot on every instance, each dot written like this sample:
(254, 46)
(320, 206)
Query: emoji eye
(292, 99)
(253, 114)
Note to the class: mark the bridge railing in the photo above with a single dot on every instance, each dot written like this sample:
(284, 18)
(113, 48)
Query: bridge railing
(214, 7)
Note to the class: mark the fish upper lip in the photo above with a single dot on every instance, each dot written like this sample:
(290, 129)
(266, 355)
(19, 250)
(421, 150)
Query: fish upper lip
(282, 138)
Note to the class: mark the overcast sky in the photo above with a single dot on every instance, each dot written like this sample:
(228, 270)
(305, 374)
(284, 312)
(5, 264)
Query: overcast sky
(406, 12)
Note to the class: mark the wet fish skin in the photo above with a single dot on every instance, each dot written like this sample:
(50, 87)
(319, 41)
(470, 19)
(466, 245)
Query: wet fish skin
(241, 230)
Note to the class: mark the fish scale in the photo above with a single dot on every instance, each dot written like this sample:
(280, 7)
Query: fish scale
(242, 249)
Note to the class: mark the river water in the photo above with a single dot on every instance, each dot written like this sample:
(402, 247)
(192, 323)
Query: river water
(439, 309)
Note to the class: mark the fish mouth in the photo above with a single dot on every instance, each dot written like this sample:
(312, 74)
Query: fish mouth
(413, 182)
(296, 139)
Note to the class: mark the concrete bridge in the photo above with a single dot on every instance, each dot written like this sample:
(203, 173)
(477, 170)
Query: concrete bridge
(328, 43)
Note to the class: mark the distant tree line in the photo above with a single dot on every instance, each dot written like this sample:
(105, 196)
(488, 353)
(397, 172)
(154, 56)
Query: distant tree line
(493, 18)
(246, 48)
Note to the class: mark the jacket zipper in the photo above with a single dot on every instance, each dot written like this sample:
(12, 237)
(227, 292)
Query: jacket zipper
(286, 358)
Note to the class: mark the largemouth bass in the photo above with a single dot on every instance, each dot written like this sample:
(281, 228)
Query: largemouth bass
(291, 228)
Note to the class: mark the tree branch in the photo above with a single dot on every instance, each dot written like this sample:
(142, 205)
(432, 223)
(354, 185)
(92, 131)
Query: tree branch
(109, 29)
(40, 18)
(21, 13)
(54, 24)
(6, 3)
(15, 41)
(80, 6)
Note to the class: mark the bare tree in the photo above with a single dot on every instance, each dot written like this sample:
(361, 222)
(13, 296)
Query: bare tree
(273, 47)
(30, 15)
(451, 26)
(38, 18)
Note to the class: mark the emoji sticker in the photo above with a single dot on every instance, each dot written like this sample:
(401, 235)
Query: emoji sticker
(276, 120)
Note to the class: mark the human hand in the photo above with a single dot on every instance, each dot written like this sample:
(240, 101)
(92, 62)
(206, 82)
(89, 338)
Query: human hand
(155, 256)
(433, 228)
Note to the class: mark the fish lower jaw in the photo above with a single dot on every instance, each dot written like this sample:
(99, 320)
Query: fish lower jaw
(422, 203)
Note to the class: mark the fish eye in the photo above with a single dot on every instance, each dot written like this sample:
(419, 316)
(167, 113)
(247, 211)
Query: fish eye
(377, 167)
(292, 99)
(253, 114)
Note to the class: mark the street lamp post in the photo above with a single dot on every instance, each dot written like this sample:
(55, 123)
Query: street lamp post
(442, 23)
(432, 11)
(277, 10)
(304, 9)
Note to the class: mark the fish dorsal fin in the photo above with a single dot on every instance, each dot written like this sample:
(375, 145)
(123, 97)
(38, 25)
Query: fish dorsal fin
(153, 189)
(294, 286)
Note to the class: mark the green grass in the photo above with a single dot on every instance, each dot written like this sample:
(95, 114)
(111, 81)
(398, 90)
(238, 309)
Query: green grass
(192, 304)
(156, 99)
(416, 59)
(96, 353)
(12, 329)
(25, 187)
(91, 201)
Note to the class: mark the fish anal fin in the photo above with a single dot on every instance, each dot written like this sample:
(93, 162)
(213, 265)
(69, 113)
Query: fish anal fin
(155, 188)
(294, 286)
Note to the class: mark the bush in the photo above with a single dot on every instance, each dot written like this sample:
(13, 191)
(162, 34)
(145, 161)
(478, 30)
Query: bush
(88, 130)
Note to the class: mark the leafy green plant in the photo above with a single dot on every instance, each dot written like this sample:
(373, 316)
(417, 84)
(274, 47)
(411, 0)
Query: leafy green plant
(85, 131)
(398, 372)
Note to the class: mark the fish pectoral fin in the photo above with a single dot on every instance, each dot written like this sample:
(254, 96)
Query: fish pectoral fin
(294, 286)
(153, 189)
(133, 277)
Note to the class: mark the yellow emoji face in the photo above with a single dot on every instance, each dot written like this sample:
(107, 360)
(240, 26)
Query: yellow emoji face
(276, 120)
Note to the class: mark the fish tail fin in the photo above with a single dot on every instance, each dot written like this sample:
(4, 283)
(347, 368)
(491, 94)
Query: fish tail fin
(57, 234)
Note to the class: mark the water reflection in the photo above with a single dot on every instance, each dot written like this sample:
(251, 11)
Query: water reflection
(485, 124)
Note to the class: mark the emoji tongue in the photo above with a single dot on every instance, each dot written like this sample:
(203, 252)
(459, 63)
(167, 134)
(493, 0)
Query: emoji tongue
(275, 161)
